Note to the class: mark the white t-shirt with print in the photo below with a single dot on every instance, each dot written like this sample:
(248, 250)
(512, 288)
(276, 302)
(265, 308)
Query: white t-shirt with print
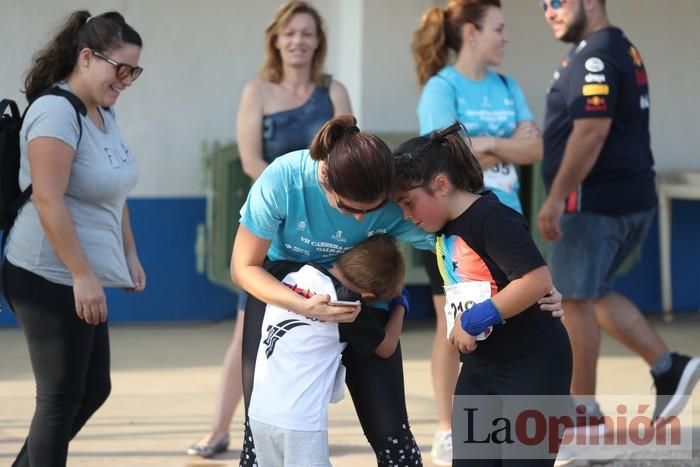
(297, 361)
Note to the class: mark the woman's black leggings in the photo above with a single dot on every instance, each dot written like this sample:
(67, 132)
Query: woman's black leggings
(376, 386)
(70, 360)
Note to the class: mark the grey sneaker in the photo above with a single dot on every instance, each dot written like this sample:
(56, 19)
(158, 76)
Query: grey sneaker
(441, 452)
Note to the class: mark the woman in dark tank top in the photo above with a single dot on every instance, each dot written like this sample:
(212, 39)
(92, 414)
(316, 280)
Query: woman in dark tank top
(289, 130)
(284, 107)
(279, 112)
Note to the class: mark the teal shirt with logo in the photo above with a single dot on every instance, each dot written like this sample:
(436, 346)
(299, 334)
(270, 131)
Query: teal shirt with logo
(488, 107)
(288, 206)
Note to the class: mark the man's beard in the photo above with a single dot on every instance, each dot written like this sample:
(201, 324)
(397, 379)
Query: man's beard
(574, 32)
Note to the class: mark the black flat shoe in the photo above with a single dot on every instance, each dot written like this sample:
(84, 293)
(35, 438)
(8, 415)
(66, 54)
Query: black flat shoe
(208, 450)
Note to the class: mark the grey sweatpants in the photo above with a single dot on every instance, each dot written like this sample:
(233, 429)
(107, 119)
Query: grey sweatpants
(279, 447)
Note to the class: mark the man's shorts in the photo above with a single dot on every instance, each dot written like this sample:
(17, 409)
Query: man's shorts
(585, 260)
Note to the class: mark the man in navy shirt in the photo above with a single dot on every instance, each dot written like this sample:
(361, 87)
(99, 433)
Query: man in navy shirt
(598, 170)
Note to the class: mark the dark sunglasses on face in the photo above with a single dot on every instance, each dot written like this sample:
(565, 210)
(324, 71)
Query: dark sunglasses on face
(555, 4)
(350, 210)
(122, 70)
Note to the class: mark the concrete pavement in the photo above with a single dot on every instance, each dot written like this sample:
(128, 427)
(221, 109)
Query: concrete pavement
(164, 384)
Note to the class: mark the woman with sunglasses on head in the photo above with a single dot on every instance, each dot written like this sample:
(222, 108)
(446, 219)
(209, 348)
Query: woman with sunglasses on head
(73, 237)
(279, 112)
(311, 206)
(493, 109)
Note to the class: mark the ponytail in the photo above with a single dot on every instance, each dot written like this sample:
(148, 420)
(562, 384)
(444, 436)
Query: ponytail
(418, 160)
(440, 31)
(429, 46)
(358, 164)
(56, 61)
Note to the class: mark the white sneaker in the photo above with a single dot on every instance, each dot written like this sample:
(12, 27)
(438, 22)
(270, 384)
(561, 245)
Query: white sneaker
(566, 457)
(572, 455)
(441, 452)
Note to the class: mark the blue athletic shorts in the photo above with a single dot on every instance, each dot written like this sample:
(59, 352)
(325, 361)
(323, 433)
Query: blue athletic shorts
(585, 260)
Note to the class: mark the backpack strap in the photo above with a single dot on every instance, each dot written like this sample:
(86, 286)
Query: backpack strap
(75, 101)
(80, 109)
(505, 83)
(12, 105)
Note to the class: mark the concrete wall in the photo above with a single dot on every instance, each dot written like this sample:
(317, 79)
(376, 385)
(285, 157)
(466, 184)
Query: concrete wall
(667, 35)
(198, 55)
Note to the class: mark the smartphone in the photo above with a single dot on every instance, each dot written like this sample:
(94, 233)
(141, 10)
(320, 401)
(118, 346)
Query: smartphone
(343, 303)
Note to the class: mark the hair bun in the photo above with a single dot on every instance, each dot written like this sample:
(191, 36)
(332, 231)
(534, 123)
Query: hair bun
(351, 130)
(457, 128)
(330, 133)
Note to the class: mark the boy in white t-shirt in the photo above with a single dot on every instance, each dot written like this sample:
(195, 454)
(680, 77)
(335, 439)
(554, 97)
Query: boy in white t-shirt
(298, 360)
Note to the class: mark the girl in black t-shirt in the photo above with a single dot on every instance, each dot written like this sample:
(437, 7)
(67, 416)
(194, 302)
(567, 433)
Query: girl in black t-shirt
(493, 274)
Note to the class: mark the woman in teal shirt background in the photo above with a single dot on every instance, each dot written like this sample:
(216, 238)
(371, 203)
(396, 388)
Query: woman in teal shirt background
(503, 134)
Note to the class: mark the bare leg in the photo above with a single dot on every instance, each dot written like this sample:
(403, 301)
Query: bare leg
(444, 364)
(584, 335)
(620, 318)
(230, 389)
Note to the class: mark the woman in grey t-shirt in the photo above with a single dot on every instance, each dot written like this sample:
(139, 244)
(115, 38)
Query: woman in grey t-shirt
(73, 237)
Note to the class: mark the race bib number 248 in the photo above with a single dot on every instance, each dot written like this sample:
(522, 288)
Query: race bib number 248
(461, 297)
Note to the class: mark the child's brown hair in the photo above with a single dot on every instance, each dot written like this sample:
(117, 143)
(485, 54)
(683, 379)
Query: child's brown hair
(376, 265)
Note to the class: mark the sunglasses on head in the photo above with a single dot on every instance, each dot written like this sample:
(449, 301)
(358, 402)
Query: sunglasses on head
(554, 4)
(122, 70)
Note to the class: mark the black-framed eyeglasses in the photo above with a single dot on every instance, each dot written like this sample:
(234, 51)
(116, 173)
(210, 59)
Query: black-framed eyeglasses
(122, 70)
(554, 4)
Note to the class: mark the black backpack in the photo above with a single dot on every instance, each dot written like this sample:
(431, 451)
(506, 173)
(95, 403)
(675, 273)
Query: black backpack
(11, 197)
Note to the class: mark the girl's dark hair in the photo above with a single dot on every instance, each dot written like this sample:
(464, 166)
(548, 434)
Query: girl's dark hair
(359, 164)
(56, 61)
(440, 30)
(418, 160)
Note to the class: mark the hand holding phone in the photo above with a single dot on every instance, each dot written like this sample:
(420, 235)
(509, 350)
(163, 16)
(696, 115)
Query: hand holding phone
(344, 303)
